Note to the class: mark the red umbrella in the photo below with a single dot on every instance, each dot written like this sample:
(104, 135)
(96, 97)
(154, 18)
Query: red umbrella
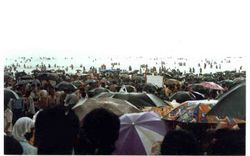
(211, 85)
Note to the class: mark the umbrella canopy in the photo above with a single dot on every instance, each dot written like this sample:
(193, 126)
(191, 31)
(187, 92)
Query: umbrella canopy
(127, 89)
(227, 83)
(77, 83)
(140, 100)
(191, 111)
(198, 88)
(150, 88)
(138, 132)
(119, 107)
(97, 91)
(23, 82)
(7, 76)
(9, 94)
(211, 85)
(182, 96)
(198, 96)
(26, 77)
(36, 82)
(47, 76)
(19, 74)
(232, 103)
(66, 86)
(104, 94)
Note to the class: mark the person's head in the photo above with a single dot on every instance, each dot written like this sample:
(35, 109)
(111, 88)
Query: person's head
(12, 146)
(228, 142)
(55, 131)
(179, 142)
(71, 100)
(43, 99)
(102, 128)
(22, 126)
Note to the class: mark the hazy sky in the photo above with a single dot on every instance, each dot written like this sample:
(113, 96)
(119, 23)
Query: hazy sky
(128, 27)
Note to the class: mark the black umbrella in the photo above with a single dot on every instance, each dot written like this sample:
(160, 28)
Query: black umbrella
(7, 76)
(47, 76)
(26, 77)
(23, 82)
(20, 74)
(140, 100)
(198, 88)
(66, 86)
(36, 82)
(127, 88)
(77, 83)
(232, 103)
(97, 91)
(228, 83)
(182, 96)
(9, 94)
(150, 88)
(198, 96)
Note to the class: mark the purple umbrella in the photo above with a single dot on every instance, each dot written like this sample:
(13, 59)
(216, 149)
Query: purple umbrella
(138, 132)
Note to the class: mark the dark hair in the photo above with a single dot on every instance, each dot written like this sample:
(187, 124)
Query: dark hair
(55, 131)
(228, 142)
(12, 146)
(179, 142)
(99, 132)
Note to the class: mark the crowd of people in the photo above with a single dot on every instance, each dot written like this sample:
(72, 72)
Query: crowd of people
(42, 121)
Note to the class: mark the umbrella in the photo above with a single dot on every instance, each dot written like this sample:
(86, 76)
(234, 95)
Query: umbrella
(104, 94)
(140, 100)
(232, 103)
(35, 71)
(150, 88)
(20, 74)
(182, 96)
(9, 94)
(66, 86)
(198, 96)
(47, 76)
(23, 82)
(191, 111)
(227, 83)
(198, 88)
(211, 85)
(138, 132)
(36, 82)
(119, 107)
(7, 76)
(97, 91)
(26, 77)
(127, 89)
(77, 83)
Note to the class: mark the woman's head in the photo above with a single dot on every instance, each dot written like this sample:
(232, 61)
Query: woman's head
(22, 126)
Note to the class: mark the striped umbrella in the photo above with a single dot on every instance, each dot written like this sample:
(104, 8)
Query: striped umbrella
(138, 132)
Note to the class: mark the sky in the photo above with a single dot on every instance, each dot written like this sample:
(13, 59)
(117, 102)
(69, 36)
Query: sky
(131, 27)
